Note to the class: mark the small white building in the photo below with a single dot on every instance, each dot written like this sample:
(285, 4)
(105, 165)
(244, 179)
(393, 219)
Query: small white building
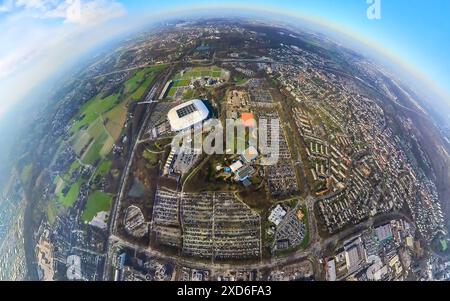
(250, 154)
(236, 166)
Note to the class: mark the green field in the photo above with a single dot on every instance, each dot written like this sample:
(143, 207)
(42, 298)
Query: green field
(97, 126)
(142, 78)
(94, 152)
(140, 91)
(93, 109)
(240, 80)
(75, 165)
(134, 89)
(181, 83)
(26, 173)
(196, 72)
(188, 94)
(138, 85)
(51, 211)
(172, 91)
(304, 244)
(135, 81)
(68, 199)
(183, 79)
(103, 168)
(115, 119)
(151, 158)
(97, 202)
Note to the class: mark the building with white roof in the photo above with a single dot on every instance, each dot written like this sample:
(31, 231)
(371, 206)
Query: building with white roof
(187, 115)
(277, 214)
(236, 166)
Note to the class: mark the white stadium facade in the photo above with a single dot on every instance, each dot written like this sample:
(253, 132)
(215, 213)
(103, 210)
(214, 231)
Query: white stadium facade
(187, 115)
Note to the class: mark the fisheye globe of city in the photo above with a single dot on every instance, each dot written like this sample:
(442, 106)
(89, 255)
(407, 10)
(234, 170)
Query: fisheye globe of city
(195, 141)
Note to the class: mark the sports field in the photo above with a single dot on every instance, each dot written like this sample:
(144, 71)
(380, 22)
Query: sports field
(183, 79)
(197, 72)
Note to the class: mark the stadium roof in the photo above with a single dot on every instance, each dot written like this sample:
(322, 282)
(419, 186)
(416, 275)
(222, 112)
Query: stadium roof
(187, 115)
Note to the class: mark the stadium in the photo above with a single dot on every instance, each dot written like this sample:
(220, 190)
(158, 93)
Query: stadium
(187, 115)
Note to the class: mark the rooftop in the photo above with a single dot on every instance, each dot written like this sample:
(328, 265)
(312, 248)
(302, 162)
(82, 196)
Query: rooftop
(187, 115)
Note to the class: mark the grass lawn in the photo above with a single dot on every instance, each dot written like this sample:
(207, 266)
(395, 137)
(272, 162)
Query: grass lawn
(96, 129)
(217, 74)
(26, 173)
(135, 81)
(93, 153)
(135, 89)
(59, 183)
(240, 80)
(92, 109)
(115, 119)
(111, 111)
(183, 80)
(188, 94)
(141, 77)
(103, 168)
(97, 202)
(51, 212)
(79, 141)
(181, 83)
(151, 158)
(71, 196)
(67, 177)
(74, 166)
(99, 123)
(172, 91)
(107, 147)
(140, 91)
(95, 142)
(306, 239)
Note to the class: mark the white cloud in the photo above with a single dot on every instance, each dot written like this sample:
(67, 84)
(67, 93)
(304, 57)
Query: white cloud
(36, 4)
(71, 11)
(6, 6)
(29, 39)
(31, 48)
(90, 12)
(15, 61)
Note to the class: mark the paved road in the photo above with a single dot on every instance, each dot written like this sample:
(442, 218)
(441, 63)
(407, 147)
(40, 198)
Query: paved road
(124, 178)
(313, 252)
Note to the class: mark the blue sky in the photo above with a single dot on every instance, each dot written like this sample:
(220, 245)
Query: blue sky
(37, 36)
